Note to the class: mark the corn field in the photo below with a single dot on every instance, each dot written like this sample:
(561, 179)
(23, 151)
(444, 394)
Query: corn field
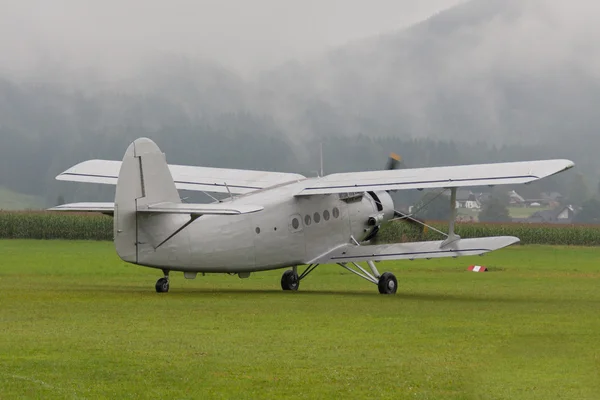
(553, 234)
(48, 225)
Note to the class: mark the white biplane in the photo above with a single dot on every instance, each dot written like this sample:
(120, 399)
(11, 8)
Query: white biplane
(277, 220)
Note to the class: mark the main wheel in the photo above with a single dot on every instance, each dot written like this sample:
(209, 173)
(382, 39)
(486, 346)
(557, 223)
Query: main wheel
(162, 285)
(289, 280)
(387, 283)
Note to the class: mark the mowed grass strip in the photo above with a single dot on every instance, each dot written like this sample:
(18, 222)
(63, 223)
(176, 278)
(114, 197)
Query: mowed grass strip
(79, 323)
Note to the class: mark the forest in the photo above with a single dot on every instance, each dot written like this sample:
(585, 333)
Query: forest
(426, 93)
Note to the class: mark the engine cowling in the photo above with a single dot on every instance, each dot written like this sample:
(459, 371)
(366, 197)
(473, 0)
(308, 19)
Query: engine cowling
(383, 207)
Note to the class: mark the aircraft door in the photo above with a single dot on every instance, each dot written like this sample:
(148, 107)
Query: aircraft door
(279, 239)
(326, 224)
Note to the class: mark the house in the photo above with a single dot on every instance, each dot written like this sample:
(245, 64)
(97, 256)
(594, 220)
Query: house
(552, 197)
(467, 199)
(484, 197)
(558, 215)
(515, 199)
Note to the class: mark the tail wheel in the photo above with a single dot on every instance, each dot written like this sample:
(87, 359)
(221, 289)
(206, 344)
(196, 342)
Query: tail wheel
(387, 283)
(289, 280)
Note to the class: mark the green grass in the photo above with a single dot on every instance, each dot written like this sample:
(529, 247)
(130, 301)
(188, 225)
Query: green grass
(10, 200)
(76, 322)
(514, 212)
(524, 212)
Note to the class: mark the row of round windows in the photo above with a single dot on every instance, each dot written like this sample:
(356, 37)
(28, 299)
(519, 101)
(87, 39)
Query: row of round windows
(316, 217)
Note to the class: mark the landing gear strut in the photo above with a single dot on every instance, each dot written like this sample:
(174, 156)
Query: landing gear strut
(386, 282)
(290, 279)
(162, 285)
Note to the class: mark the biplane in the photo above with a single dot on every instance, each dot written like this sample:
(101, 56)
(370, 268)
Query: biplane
(276, 220)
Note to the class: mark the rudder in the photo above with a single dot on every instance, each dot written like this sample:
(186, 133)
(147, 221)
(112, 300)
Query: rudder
(144, 179)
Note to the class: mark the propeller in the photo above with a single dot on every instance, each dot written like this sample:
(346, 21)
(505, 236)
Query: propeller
(394, 162)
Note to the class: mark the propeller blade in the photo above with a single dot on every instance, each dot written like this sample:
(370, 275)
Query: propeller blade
(394, 161)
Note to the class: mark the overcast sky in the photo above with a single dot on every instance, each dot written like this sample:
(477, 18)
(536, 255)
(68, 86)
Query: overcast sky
(245, 35)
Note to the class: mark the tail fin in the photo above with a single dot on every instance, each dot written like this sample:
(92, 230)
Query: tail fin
(144, 179)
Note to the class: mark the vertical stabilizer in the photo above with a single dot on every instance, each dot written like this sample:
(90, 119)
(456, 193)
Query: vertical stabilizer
(144, 179)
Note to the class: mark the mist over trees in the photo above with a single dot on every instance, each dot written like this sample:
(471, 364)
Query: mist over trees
(495, 209)
(456, 88)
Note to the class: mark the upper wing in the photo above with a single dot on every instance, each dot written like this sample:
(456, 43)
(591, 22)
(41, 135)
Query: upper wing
(438, 177)
(411, 251)
(166, 208)
(238, 181)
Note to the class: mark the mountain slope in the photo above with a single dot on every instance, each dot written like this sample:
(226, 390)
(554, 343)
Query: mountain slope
(501, 71)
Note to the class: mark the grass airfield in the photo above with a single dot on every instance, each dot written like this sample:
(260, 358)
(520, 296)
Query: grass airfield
(76, 322)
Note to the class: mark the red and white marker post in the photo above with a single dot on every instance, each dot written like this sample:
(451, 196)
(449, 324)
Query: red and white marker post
(477, 268)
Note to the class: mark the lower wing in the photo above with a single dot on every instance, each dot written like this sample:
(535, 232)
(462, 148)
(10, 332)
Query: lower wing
(412, 251)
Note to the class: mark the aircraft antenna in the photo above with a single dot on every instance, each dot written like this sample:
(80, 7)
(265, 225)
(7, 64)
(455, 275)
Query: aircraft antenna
(321, 147)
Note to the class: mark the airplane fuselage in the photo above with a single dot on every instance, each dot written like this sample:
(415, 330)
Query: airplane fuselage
(289, 231)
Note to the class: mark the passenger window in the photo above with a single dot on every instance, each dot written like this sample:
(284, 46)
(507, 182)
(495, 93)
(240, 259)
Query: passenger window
(307, 220)
(317, 218)
(326, 215)
(295, 223)
(336, 212)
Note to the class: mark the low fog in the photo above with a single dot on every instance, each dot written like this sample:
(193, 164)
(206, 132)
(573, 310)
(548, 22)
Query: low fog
(114, 37)
(260, 84)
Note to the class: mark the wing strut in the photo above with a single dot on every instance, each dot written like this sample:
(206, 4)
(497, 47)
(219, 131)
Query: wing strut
(452, 237)
(365, 275)
(376, 275)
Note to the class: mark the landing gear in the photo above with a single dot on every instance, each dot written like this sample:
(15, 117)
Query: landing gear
(290, 280)
(387, 283)
(162, 285)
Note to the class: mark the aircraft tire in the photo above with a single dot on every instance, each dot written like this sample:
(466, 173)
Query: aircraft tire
(289, 280)
(162, 285)
(387, 283)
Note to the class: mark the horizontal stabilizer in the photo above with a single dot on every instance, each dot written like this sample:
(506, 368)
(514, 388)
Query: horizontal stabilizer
(438, 177)
(411, 251)
(165, 208)
(199, 209)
